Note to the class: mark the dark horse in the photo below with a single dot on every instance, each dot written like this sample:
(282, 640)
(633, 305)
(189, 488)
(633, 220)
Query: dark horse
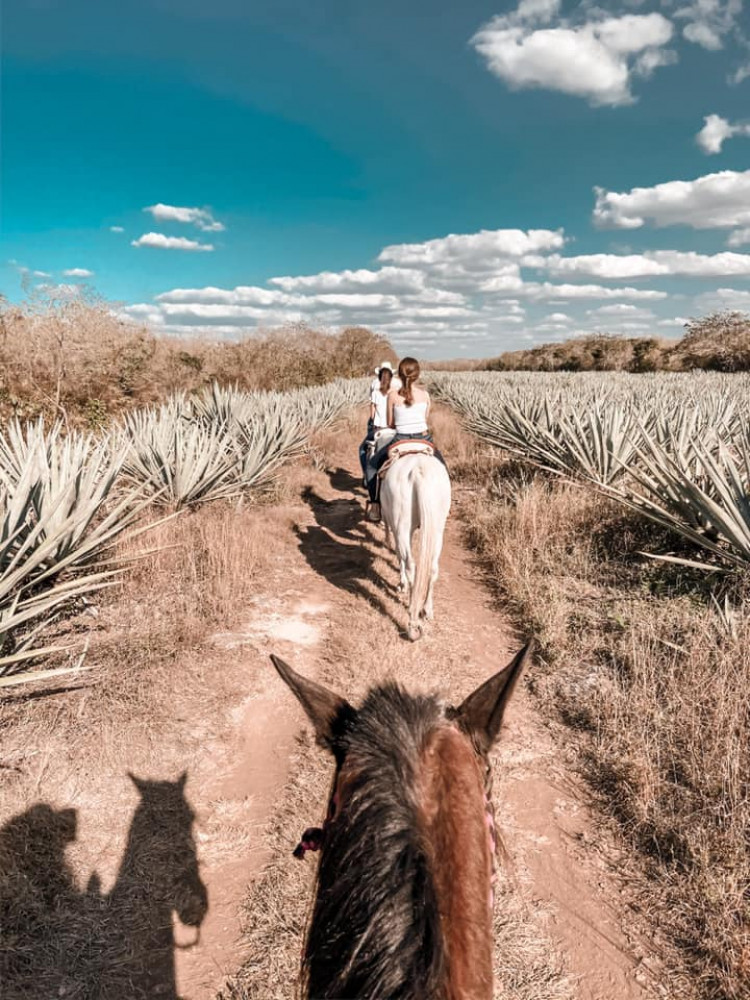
(403, 907)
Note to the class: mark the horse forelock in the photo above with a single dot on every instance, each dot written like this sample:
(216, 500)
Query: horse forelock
(375, 929)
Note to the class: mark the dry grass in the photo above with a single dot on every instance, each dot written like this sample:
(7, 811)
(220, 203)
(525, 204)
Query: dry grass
(653, 682)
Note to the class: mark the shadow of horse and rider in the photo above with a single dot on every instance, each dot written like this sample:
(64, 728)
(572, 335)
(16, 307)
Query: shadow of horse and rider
(339, 546)
(59, 941)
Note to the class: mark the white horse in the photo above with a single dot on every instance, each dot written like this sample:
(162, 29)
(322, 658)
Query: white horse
(416, 493)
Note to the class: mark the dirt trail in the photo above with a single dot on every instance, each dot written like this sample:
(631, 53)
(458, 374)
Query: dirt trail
(340, 619)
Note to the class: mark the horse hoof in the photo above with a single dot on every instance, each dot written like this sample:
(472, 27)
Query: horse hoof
(414, 632)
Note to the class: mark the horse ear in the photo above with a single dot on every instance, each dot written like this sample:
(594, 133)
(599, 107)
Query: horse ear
(323, 707)
(182, 781)
(481, 714)
(139, 784)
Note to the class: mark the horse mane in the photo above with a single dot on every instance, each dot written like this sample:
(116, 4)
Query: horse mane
(375, 929)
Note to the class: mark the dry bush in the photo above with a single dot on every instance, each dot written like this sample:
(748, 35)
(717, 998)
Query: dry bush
(720, 342)
(595, 352)
(652, 681)
(77, 361)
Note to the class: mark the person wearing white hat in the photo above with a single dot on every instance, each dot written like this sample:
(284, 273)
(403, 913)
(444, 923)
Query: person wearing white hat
(375, 384)
(378, 419)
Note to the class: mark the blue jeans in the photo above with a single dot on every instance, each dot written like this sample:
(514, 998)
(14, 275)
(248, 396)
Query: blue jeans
(363, 447)
(378, 459)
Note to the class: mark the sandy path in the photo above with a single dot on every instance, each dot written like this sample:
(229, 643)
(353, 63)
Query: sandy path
(560, 920)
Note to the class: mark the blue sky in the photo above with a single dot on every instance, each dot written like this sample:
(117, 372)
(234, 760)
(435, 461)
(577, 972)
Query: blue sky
(463, 178)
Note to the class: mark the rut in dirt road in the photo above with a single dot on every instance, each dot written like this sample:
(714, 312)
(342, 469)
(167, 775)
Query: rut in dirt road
(557, 935)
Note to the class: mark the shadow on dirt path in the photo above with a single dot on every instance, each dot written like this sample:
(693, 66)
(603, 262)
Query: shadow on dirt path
(341, 547)
(59, 940)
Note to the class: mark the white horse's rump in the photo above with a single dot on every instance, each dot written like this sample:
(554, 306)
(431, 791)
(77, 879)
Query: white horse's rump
(416, 493)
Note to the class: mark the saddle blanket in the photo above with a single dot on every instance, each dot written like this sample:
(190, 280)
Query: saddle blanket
(401, 448)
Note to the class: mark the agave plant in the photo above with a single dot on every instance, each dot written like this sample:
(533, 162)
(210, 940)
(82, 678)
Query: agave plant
(712, 510)
(178, 461)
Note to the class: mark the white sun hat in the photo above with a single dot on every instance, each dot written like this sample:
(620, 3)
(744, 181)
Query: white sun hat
(388, 365)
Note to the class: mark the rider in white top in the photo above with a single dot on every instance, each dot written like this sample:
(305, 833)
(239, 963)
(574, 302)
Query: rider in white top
(378, 418)
(408, 411)
(410, 419)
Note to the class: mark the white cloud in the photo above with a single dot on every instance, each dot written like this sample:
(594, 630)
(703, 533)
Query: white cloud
(676, 321)
(480, 251)
(652, 264)
(709, 21)
(739, 238)
(163, 242)
(200, 217)
(387, 279)
(78, 272)
(557, 318)
(534, 47)
(242, 295)
(716, 130)
(621, 310)
(719, 200)
(546, 291)
(60, 291)
(740, 74)
(722, 298)
(116, 229)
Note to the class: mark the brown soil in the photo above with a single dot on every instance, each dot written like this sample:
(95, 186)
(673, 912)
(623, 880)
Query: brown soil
(329, 605)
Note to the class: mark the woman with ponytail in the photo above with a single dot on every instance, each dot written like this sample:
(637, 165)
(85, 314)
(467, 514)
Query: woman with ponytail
(407, 411)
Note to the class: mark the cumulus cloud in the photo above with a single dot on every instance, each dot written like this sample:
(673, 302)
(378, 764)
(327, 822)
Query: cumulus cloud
(715, 132)
(595, 58)
(714, 201)
(709, 21)
(474, 251)
(63, 290)
(456, 289)
(78, 272)
(652, 264)
(387, 279)
(621, 310)
(722, 298)
(739, 238)
(116, 229)
(547, 291)
(200, 217)
(163, 242)
(675, 321)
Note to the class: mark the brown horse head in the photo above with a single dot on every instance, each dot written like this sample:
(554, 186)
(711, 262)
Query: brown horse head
(402, 906)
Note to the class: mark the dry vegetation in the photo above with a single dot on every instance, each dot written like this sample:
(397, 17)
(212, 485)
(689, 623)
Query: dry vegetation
(76, 361)
(651, 675)
(719, 342)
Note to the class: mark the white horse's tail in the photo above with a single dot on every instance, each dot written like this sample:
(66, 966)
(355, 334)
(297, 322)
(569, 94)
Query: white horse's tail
(430, 537)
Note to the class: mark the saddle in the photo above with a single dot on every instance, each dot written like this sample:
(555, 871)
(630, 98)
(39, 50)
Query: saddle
(416, 446)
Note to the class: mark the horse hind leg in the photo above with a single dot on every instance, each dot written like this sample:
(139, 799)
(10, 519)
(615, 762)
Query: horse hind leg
(429, 609)
(406, 560)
